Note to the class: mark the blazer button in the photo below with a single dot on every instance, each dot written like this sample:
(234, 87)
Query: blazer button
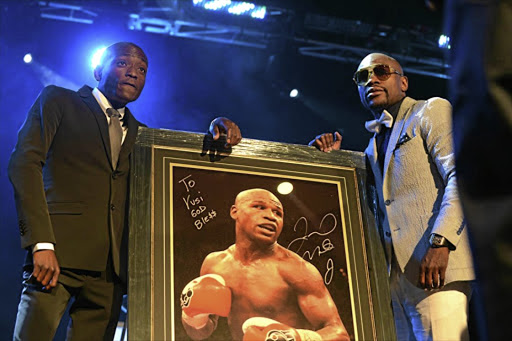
(387, 202)
(388, 234)
(112, 207)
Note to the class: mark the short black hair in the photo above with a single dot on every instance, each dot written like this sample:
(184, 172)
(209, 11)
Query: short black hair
(112, 49)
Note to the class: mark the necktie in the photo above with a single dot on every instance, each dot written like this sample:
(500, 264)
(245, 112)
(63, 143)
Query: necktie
(116, 135)
(375, 126)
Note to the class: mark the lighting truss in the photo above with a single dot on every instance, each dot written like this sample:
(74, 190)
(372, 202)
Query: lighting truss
(319, 36)
(66, 12)
(233, 7)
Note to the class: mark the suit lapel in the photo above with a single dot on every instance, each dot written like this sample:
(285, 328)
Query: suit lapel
(398, 126)
(131, 135)
(371, 152)
(86, 93)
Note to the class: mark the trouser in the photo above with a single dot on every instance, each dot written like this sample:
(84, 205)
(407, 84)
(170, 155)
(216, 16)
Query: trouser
(96, 297)
(440, 314)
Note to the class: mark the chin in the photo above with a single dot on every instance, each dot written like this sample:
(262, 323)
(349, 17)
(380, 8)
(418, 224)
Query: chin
(126, 99)
(375, 105)
(267, 239)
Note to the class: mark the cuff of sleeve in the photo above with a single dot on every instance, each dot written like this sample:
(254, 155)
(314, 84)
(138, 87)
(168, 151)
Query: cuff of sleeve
(43, 246)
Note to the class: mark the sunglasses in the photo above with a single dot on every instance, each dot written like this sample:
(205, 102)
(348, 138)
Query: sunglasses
(381, 71)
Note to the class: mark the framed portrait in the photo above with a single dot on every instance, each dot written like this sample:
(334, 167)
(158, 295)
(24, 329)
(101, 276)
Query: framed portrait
(182, 188)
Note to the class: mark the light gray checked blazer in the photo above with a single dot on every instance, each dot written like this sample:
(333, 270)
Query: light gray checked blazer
(417, 192)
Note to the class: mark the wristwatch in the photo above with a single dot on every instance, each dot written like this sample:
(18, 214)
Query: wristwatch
(437, 240)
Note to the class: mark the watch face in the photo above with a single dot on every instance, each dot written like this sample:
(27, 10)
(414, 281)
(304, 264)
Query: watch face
(436, 240)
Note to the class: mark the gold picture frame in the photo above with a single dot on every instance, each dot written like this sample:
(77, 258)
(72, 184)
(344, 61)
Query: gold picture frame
(182, 187)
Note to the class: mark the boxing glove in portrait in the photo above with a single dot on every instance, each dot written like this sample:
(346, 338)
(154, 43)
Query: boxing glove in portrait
(262, 328)
(203, 296)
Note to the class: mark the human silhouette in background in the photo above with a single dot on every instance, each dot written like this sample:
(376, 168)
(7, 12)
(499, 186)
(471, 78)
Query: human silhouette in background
(481, 93)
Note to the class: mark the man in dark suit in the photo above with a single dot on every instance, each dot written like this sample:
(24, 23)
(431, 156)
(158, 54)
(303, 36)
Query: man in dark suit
(70, 173)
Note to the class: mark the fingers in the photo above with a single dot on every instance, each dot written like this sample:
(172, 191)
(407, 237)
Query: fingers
(337, 136)
(433, 268)
(222, 125)
(55, 278)
(422, 277)
(47, 276)
(431, 278)
(46, 268)
(327, 142)
(214, 130)
(234, 136)
(323, 142)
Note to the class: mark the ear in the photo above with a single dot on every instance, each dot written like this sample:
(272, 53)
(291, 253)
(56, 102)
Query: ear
(98, 73)
(233, 212)
(404, 83)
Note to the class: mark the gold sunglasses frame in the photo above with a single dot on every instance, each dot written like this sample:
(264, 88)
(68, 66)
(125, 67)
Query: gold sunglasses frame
(370, 69)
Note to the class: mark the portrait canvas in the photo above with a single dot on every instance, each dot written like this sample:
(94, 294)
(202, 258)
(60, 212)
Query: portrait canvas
(186, 216)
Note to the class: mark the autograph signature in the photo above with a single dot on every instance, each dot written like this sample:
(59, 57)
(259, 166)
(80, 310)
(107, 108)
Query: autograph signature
(318, 250)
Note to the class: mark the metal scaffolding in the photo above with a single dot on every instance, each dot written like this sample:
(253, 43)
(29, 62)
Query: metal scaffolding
(310, 34)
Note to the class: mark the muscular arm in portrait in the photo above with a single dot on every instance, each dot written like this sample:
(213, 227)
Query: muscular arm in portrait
(316, 303)
(202, 325)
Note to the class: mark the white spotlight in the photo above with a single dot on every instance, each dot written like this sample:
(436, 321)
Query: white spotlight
(27, 58)
(285, 188)
(294, 93)
(96, 57)
(444, 42)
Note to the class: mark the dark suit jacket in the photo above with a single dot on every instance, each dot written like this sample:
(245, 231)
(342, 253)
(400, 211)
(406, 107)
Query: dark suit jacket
(66, 190)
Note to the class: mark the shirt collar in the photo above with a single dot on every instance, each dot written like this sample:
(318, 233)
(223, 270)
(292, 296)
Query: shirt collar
(393, 110)
(105, 104)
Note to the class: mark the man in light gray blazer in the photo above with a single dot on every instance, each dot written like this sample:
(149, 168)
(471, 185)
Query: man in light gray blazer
(419, 215)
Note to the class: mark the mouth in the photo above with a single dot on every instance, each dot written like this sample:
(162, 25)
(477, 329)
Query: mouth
(374, 92)
(268, 227)
(129, 84)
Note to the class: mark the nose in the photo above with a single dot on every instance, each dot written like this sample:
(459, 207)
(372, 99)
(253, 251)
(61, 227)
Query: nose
(131, 72)
(371, 78)
(270, 215)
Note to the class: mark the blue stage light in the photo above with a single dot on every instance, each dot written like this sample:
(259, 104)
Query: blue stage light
(259, 13)
(240, 8)
(27, 58)
(96, 57)
(444, 42)
(233, 7)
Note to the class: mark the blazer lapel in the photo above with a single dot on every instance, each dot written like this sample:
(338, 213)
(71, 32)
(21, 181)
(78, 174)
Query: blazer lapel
(398, 126)
(86, 93)
(371, 152)
(131, 135)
